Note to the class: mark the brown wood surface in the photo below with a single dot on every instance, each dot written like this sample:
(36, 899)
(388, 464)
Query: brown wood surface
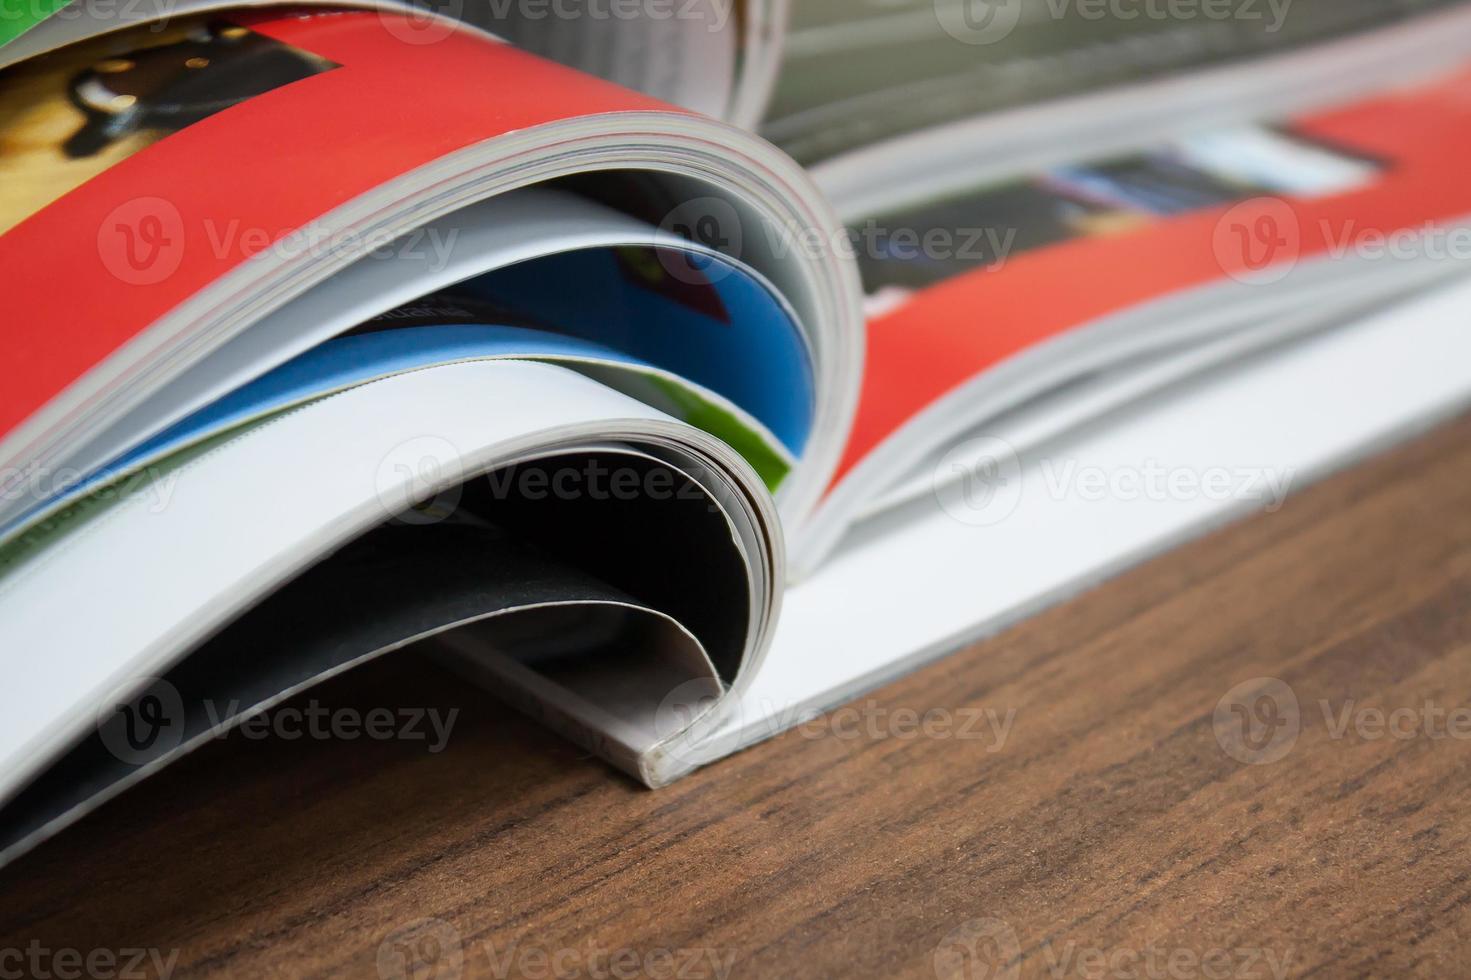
(1110, 834)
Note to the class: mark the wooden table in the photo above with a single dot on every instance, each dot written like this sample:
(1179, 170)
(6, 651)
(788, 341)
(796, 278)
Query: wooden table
(1124, 827)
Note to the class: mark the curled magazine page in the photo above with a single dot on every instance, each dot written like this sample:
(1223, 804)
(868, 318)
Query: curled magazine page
(437, 491)
(1277, 82)
(1042, 281)
(1022, 531)
(711, 56)
(678, 372)
(421, 578)
(44, 26)
(477, 318)
(654, 312)
(856, 74)
(188, 284)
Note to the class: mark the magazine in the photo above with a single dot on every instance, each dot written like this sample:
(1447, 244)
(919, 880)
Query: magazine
(610, 407)
(826, 78)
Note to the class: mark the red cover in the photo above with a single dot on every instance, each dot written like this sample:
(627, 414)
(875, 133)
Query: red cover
(269, 165)
(947, 334)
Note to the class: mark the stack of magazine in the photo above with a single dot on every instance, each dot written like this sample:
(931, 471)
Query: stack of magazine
(674, 369)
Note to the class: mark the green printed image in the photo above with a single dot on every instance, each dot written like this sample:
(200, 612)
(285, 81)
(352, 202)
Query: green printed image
(19, 16)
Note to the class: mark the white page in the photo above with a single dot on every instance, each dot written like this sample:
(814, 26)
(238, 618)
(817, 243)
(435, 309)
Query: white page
(1077, 405)
(923, 583)
(120, 597)
(514, 227)
(1326, 291)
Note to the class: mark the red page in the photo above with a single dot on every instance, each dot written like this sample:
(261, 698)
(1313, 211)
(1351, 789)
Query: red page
(100, 261)
(946, 334)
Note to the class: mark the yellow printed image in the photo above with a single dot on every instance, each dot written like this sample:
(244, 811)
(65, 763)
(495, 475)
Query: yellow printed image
(69, 115)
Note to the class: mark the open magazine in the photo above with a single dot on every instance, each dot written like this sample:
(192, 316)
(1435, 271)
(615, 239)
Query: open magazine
(325, 345)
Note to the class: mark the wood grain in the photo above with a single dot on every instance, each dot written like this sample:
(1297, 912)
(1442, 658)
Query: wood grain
(1109, 834)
